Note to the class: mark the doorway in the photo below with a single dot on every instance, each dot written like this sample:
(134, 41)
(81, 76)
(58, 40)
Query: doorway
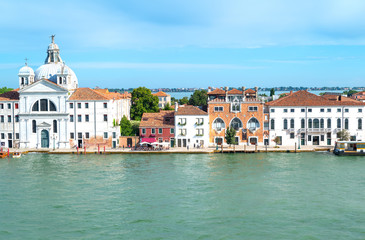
(315, 140)
(44, 139)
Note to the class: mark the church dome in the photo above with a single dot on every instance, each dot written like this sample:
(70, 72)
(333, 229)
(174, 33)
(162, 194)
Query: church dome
(51, 70)
(53, 46)
(26, 71)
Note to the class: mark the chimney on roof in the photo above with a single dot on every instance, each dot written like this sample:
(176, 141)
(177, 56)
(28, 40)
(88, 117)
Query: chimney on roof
(226, 89)
(340, 98)
(243, 93)
(176, 106)
(256, 92)
(291, 92)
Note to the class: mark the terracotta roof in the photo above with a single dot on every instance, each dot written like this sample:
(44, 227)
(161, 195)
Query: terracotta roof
(250, 91)
(12, 95)
(217, 91)
(159, 119)
(87, 94)
(304, 98)
(190, 110)
(160, 94)
(359, 93)
(102, 91)
(234, 91)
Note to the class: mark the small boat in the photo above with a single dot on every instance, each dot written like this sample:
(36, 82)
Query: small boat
(3, 154)
(17, 155)
(349, 148)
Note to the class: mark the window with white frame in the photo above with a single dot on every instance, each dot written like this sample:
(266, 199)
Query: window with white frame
(253, 109)
(182, 121)
(182, 132)
(218, 109)
(153, 130)
(218, 124)
(143, 131)
(199, 121)
(199, 132)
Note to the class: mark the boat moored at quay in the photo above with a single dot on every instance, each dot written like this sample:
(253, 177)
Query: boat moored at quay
(349, 148)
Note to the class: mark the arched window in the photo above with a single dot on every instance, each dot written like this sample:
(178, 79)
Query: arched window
(338, 123)
(44, 105)
(55, 126)
(34, 126)
(272, 124)
(302, 123)
(359, 123)
(22, 81)
(346, 123)
(291, 123)
(236, 123)
(60, 80)
(321, 123)
(316, 123)
(218, 124)
(253, 124)
(309, 123)
(285, 124)
(329, 123)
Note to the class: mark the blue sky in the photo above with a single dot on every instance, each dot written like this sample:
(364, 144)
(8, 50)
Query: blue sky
(200, 43)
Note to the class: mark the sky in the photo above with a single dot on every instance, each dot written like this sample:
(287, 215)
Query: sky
(200, 43)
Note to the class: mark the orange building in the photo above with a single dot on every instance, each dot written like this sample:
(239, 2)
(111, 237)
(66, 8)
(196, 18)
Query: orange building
(241, 110)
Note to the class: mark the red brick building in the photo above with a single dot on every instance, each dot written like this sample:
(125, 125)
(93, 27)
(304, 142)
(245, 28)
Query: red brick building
(241, 110)
(158, 127)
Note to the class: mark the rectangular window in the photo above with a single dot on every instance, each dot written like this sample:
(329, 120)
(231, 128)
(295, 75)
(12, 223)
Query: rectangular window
(71, 118)
(199, 121)
(272, 110)
(143, 131)
(87, 135)
(78, 105)
(292, 135)
(72, 136)
(309, 138)
(79, 135)
(182, 132)
(285, 110)
(2, 118)
(322, 138)
(359, 110)
(252, 109)
(1, 106)
(292, 110)
(329, 110)
(87, 118)
(16, 135)
(309, 110)
(114, 135)
(10, 136)
(302, 110)
(16, 118)
(182, 121)
(2, 136)
(105, 117)
(338, 109)
(160, 131)
(71, 105)
(218, 109)
(153, 130)
(86, 105)
(105, 135)
(79, 118)
(16, 105)
(9, 105)
(105, 105)
(199, 132)
(9, 118)
(322, 110)
(346, 110)
(172, 131)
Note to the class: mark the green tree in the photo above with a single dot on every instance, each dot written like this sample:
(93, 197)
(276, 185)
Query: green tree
(135, 127)
(272, 92)
(343, 135)
(5, 89)
(173, 100)
(143, 101)
(199, 98)
(125, 127)
(184, 100)
(350, 92)
(282, 95)
(230, 136)
(168, 107)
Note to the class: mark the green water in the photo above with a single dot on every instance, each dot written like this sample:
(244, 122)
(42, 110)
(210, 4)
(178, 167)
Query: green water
(252, 196)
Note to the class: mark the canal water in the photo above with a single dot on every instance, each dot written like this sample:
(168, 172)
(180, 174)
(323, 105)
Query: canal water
(181, 196)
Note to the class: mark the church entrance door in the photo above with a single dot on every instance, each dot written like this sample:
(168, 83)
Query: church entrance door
(44, 139)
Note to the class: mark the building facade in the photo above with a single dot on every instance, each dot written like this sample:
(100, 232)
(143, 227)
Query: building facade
(191, 126)
(163, 99)
(241, 110)
(304, 118)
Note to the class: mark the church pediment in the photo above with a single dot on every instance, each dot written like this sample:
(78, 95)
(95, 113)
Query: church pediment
(44, 125)
(44, 86)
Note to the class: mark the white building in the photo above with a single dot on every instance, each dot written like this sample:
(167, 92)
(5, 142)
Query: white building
(191, 126)
(163, 99)
(50, 111)
(307, 119)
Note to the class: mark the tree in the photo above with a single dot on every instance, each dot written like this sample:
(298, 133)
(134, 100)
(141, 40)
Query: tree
(343, 135)
(230, 136)
(168, 107)
(174, 100)
(143, 101)
(350, 92)
(199, 98)
(272, 92)
(184, 100)
(125, 127)
(282, 95)
(5, 89)
(277, 140)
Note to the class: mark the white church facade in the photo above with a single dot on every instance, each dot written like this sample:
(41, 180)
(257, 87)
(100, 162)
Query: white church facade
(50, 111)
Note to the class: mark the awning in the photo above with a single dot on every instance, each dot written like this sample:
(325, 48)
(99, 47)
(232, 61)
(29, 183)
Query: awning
(149, 140)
